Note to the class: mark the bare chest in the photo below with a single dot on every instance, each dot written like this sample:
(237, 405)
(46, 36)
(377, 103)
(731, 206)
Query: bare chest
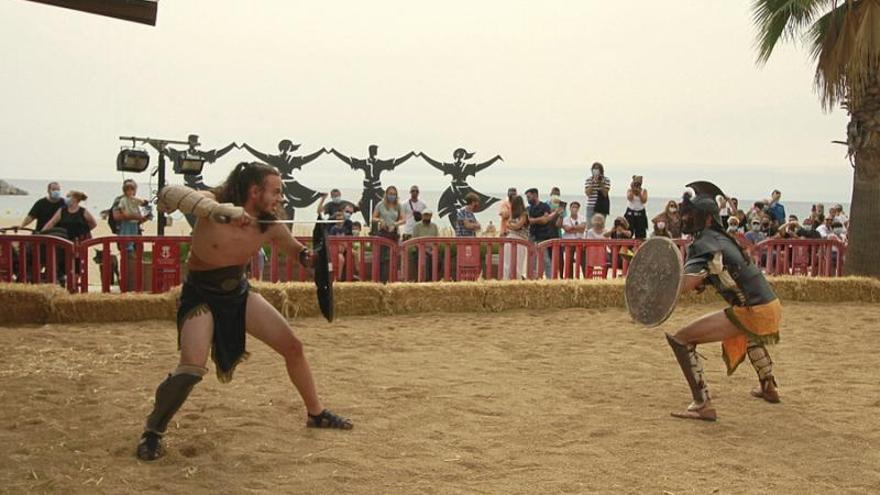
(217, 245)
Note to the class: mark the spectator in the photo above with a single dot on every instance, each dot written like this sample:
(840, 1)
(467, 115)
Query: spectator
(838, 232)
(807, 231)
(767, 225)
(775, 208)
(733, 206)
(74, 219)
(490, 231)
(425, 228)
(412, 212)
(754, 235)
(504, 211)
(597, 229)
(756, 212)
(336, 203)
(733, 225)
(790, 229)
(342, 227)
(837, 212)
(557, 205)
(127, 212)
(45, 208)
(356, 228)
(387, 217)
(724, 210)
(575, 225)
(466, 224)
(827, 227)
(620, 230)
(637, 199)
(596, 187)
(672, 218)
(660, 229)
(517, 228)
(542, 226)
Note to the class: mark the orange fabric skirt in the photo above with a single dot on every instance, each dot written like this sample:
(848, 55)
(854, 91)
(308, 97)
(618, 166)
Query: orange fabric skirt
(758, 323)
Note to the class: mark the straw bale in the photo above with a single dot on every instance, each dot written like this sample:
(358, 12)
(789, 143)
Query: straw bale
(274, 294)
(301, 300)
(827, 290)
(358, 298)
(100, 307)
(435, 297)
(539, 294)
(27, 303)
(598, 294)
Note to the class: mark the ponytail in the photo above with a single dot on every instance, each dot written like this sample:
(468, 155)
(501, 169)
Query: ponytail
(237, 186)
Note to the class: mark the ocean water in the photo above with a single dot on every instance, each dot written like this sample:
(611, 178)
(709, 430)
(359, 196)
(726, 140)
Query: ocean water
(101, 195)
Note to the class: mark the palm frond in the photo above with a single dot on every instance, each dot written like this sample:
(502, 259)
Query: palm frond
(778, 20)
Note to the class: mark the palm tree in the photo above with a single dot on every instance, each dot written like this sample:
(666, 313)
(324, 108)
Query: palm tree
(844, 40)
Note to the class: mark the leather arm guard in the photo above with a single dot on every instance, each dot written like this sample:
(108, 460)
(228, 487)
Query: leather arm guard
(193, 202)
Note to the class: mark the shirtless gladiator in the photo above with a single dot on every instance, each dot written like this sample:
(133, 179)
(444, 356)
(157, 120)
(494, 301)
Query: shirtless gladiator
(216, 305)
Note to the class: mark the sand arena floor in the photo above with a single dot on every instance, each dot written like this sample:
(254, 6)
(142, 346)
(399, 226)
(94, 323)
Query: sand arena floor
(572, 401)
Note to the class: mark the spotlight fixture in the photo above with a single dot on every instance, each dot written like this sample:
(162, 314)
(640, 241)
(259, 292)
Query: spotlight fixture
(188, 164)
(132, 160)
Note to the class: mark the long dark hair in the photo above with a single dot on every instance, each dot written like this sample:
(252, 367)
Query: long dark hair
(517, 207)
(237, 186)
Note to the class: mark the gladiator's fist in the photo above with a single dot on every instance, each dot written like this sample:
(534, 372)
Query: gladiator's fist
(307, 258)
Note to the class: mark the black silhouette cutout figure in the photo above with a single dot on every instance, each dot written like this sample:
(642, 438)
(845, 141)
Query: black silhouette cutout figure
(372, 168)
(453, 197)
(195, 181)
(296, 195)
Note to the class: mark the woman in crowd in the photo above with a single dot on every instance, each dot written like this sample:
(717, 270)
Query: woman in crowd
(518, 228)
(660, 229)
(77, 221)
(597, 188)
(387, 218)
(733, 206)
(637, 199)
(671, 217)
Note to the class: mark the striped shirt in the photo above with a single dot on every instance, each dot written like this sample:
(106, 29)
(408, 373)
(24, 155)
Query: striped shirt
(597, 184)
(460, 217)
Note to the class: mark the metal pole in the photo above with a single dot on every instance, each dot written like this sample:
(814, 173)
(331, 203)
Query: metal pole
(161, 224)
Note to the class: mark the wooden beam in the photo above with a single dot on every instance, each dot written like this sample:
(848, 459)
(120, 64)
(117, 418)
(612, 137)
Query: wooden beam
(142, 11)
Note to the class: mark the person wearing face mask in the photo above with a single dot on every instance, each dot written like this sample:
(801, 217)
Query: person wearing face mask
(596, 187)
(733, 225)
(671, 217)
(46, 207)
(412, 212)
(75, 219)
(424, 228)
(755, 235)
(387, 217)
(335, 204)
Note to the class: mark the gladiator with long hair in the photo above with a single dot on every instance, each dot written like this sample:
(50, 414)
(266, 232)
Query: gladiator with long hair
(237, 186)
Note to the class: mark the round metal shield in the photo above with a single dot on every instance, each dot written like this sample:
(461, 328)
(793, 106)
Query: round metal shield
(653, 281)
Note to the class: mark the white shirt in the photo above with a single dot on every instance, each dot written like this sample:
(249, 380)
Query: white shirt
(592, 234)
(408, 207)
(573, 222)
(636, 203)
(823, 231)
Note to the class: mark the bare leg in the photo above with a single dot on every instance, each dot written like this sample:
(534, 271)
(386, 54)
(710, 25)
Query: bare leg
(266, 323)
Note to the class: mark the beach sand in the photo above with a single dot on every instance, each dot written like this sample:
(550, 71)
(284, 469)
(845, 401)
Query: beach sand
(573, 401)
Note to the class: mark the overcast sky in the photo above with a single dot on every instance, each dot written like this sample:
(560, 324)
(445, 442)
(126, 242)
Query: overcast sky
(669, 90)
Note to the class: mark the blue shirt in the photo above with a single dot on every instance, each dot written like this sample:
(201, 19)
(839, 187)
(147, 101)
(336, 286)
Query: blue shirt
(777, 212)
(460, 217)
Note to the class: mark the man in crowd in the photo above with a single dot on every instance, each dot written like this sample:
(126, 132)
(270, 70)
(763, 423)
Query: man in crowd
(45, 207)
(542, 225)
(504, 211)
(466, 224)
(336, 204)
(755, 235)
(826, 228)
(424, 228)
(412, 212)
(776, 209)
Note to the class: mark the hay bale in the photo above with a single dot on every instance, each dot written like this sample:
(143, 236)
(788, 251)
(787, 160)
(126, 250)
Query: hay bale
(301, 301)
(598, 294)
(359, 298)
(538, 294)
(102, 307)
(27, 303)
(434, 297)
(274, 294)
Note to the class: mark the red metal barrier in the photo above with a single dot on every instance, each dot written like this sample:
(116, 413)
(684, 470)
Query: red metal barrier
(354, 259)
(466, 258)
(37, 259)
(810, 257)
(577, 258)
(166, 265)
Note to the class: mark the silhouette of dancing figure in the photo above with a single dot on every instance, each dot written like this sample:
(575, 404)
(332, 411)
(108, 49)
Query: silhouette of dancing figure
(372, 168)
(296, 195)
(453, 197)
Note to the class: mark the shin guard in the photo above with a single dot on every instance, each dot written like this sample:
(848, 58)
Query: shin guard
(692, 368)
(171, 394)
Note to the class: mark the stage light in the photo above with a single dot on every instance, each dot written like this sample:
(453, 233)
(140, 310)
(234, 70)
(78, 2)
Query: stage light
(132, 160)
(188, 164)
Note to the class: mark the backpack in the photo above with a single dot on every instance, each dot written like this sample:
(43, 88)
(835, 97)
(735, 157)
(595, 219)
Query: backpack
(114, 225)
